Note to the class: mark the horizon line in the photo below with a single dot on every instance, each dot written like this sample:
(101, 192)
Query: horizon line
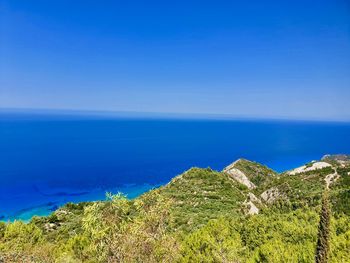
(162, 115)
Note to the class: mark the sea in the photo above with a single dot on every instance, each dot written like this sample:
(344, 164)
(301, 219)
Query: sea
(49, 159)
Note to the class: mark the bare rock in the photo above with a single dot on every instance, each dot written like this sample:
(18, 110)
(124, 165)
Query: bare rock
(251, 208)
(312, 167)
(271, 195)
(253, 198)
(331, 178)
(238, 175)
(50, 227)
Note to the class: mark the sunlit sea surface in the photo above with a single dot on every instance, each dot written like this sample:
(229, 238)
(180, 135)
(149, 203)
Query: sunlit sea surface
(47, 160)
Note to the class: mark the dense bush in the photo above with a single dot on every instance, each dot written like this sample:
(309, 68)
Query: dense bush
(198, 217)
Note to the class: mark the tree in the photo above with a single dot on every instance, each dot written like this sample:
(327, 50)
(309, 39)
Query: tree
(323, 238)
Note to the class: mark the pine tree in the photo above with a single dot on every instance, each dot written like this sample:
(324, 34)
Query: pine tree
(322, 249)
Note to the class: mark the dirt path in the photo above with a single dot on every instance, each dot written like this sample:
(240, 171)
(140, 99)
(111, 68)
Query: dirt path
(331, 178)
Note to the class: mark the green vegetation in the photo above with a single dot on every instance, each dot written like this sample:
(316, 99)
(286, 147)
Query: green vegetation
(340, 194)
(199, 195)
(323, 238)
(198, 217)
(256, 172)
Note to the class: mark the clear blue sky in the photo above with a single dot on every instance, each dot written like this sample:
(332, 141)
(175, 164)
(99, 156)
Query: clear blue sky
(260, 59)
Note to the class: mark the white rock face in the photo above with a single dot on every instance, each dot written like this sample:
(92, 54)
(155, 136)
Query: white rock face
(239, 176)
(50, 226)
(331, 178)
(249, 204)
(343, 163)
(314, 166)
(253, 198)
(252, 209)
(270, 195)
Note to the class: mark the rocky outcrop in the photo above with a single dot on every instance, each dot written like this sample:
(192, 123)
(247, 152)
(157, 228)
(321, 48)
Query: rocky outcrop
(311, 167)
(240, 177)
(341, 160)
(250, 204)
(253, 198)
(51, 226)
(271, 195)
(331, 178)
(250, 208)
(336, 157)
(250, 174)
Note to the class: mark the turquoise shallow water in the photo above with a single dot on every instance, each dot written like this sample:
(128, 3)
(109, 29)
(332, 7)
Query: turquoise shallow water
(46, 206)
(48, 160)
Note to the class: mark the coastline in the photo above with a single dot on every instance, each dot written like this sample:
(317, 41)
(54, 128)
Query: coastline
(52, 199)
(51, 202)
(49, 161)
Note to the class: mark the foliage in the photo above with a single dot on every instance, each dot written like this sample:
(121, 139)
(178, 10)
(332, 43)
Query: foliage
(340, 194)
(200, 195)
(256, 172)
(19, 236)
(2, 229)
(197, 217)
(323, 238)
(215, 242)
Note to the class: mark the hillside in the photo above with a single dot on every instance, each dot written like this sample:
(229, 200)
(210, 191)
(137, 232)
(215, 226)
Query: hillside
(246, 213)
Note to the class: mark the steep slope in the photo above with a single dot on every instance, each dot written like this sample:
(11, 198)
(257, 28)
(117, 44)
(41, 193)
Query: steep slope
(248, 173)
(309, 167)
(339, 161)
(340, 187)
(301, 186)
(201, 215)
(305, 184)
(199, 195)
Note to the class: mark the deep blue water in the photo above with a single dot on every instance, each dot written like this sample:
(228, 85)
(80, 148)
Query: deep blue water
(46, 161)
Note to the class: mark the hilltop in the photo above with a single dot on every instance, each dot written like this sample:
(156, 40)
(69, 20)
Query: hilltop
(245, 213)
